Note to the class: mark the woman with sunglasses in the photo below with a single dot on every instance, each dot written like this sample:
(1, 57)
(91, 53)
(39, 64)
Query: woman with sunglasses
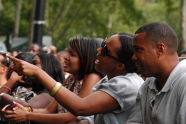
(114, 96)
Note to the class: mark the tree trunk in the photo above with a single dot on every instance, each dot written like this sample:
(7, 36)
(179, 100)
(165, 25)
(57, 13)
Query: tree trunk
(17, 17)
(1, 5)
(31, 27)
(183, 22)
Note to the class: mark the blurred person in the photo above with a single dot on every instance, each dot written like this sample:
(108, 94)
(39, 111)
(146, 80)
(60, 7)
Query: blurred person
(34, 48)
(114, 96)
(46, 49)
(14, 53)
(162, 98)
(53, 49)
(182, 53)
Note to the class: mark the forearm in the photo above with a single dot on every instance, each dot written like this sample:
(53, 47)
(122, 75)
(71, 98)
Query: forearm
(62, 118)
(7, 99)
(65, 97)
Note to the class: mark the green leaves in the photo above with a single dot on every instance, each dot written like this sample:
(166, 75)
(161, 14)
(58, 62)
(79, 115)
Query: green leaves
(92, 18)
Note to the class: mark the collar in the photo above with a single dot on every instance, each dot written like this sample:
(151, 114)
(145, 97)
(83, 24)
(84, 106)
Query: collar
(174, 75)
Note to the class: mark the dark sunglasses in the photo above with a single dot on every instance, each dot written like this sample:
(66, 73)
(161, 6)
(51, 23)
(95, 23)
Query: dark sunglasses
(105, 52)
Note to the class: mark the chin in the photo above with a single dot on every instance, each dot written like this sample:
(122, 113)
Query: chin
(146, 75)
(98, 69)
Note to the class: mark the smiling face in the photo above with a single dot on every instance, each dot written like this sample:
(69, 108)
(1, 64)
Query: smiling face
(71, 61)
(145, 55)
(106, 63)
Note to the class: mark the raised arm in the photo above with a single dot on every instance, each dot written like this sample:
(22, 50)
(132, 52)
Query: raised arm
(97, 102)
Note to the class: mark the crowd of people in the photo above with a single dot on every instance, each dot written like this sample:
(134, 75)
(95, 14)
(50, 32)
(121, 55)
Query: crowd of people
(126, 79)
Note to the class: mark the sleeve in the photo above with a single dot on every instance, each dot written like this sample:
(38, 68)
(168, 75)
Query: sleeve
(181, 116)
(136, 116)
(123, 90)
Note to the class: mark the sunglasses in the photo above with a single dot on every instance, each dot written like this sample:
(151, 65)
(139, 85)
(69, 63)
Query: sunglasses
(106, 52)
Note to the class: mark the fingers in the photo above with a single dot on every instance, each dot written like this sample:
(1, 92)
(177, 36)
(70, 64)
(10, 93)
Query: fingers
(4, 108)
(16, 66)
(18, 105)
(14, 59)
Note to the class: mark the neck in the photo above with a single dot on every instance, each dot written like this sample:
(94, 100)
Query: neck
(166, 68)
(114, 75)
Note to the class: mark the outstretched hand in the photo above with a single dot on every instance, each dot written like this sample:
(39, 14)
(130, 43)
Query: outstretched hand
(23, 68)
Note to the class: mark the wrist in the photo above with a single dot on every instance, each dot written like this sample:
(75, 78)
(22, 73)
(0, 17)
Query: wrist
(55, 89)
(28, 116)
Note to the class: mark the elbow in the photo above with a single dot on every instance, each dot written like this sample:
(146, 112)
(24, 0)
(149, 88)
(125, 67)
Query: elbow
(80, 109)
(79, 112)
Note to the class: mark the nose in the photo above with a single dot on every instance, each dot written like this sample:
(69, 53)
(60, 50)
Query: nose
(66, 57)
(98, 51)
(134, 57)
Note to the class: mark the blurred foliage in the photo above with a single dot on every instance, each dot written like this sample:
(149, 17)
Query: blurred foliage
(92, 18)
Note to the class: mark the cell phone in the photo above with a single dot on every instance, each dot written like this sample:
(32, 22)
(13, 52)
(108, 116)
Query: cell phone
(10, 107)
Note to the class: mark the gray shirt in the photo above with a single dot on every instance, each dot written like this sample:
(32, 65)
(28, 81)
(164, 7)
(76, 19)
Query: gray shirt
(167, 106)
(124, 90)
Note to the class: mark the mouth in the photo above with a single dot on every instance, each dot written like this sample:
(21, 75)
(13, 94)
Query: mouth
(97, 61)
(66, 64)
(139, 67)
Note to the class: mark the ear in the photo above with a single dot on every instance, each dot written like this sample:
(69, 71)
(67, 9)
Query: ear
(161, 47)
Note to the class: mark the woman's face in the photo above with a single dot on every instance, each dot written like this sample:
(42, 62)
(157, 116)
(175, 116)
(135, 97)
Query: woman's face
(37, 61)
(71, 61)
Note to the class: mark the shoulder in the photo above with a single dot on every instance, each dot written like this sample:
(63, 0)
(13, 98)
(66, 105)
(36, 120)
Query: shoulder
(126, 84)
(128, 80)
(92, 76)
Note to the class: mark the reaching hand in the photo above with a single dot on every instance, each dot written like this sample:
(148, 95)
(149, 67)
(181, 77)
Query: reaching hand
(23, 67)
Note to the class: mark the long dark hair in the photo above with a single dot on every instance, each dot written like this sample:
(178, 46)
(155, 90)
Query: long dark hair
(87, 50)
(51, 65)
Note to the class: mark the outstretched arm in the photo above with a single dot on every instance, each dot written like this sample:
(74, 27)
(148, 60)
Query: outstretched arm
(97, 102)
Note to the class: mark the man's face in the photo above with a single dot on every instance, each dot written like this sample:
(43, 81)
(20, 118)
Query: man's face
(145, 55)
(34, 49)
(106, 55)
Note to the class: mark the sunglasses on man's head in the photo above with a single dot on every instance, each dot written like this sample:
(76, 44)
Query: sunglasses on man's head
(105, 52)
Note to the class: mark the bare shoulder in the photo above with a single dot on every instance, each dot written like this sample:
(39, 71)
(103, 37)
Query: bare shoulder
(92, 76)
(88, 83)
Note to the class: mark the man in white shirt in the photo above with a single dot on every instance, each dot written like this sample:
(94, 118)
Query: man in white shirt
(162, 98)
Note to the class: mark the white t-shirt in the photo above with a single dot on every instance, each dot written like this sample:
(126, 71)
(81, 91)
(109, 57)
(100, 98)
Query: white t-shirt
(124, 90)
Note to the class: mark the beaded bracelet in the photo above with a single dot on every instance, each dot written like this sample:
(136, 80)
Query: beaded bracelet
(55, 89)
